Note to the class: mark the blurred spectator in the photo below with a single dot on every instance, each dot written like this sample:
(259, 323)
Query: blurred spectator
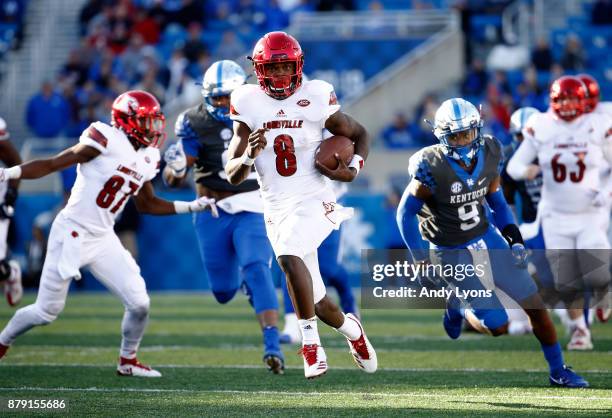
(47, 113)
(422, 131)
(13, 12)
(75, 69)
(529, 93)
(541, 56)
(573, 58)
(398, 135)
(194, 46)
(476, 79)
(276, 18)
(89, 10)
(147, 26)
(601, 14)
(230, 47)
(150, 84)
(508, 56)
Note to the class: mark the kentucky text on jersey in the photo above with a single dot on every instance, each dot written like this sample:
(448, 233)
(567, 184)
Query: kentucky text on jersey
(466, 197)
(129, 172)
(283, 124)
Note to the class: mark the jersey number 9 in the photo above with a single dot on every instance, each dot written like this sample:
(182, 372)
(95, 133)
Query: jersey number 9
(468, 214)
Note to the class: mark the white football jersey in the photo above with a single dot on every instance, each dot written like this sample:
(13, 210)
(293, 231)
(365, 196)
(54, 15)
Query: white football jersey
(285, 168)
(604, 107)
(104, 184)
(572, 156)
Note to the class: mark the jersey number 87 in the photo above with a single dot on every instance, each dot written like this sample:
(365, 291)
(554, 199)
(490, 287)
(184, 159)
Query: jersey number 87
(107, 195)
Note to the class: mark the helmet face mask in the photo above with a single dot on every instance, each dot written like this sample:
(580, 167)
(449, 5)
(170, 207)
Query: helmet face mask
(567, 96)
(273, 53)
(457, 126)
(139, 115)
(219, 80)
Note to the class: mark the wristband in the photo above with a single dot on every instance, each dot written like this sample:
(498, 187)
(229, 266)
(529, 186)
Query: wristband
(246, 160)
(356, 163)
(182, 207)
(13, 172)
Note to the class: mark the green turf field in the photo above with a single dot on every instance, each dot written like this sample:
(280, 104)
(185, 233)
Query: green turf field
(210, 357)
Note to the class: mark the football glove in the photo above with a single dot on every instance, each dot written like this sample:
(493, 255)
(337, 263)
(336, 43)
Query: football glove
(204, 203)
(176, 159)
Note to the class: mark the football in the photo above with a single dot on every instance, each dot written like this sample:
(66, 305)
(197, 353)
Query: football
(337, 144)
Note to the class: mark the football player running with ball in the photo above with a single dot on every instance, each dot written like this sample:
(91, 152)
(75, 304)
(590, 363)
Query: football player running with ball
(450, 182)
(114, 163)
(278, 126)
(234, 246)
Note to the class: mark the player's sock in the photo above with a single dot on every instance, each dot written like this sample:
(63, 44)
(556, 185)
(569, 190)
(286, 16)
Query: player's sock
(24, 319)
(270, 339)
(132, 330)
(350, 329)
(310, 331)
(554, 357)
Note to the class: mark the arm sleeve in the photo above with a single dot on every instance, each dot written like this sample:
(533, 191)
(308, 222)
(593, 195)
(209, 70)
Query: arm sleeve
(187, 136)
(524, 155)
(502, 215)
(408, 225)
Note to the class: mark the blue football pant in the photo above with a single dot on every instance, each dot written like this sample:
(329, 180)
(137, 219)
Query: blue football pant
(235, 250)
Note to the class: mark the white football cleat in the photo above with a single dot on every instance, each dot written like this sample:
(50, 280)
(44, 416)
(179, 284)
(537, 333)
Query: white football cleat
(362, 350)
(13, 290)
(132, 367)
(315, 360)
(581, 340)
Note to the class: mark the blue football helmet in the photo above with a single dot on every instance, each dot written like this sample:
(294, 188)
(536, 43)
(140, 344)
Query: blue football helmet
(455, 116)
(518, 120)
(221, 78)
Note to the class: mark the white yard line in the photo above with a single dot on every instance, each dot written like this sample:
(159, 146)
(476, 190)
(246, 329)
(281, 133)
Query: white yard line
(289, 393)
(254, 366)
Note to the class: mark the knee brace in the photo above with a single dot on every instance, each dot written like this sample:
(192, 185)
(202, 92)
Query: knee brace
(50, 312)
(141, 308)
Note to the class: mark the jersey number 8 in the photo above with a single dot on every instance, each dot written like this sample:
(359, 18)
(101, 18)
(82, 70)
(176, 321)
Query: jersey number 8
(286, 161)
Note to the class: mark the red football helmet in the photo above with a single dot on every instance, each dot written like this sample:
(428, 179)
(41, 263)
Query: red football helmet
(139, 115)
(276, 47)
(592, 90)
(567, 96)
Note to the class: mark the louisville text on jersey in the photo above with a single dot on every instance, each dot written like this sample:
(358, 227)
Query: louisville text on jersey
(283, 124)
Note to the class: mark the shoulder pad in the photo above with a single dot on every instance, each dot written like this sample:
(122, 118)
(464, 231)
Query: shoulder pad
(99, 132)
(493, 144)
(243, 104)
(419, 166)
(182, 126)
